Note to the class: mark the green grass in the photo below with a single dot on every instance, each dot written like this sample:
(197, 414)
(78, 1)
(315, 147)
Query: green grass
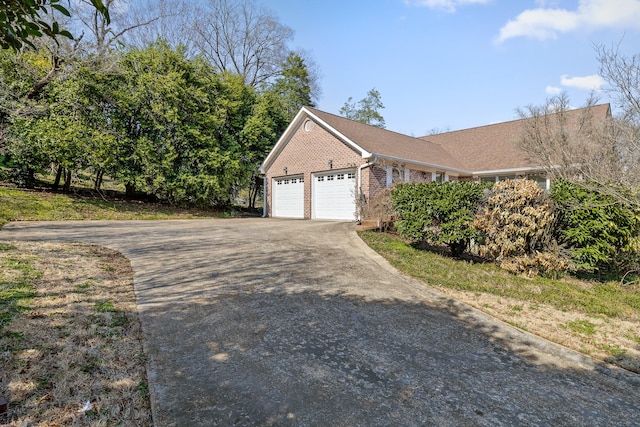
(582, 327)
(19, 205)
(593, 298)
(16, 285)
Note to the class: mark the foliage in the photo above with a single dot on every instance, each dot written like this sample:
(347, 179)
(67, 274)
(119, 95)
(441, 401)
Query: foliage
(293, 86)
(440, 212)
(367, 110)
(21, 20)
(158, 121)
(516, 224)
(595, 227)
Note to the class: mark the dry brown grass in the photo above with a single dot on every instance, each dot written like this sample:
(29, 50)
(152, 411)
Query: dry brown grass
(77, 339)
(613, 340)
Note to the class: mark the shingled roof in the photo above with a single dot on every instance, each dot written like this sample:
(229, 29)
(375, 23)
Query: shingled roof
(495, 147)
(485, 149)
(392, 145)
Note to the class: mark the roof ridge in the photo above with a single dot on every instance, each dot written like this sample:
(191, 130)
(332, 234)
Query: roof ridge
(424, 138)
(373, 127)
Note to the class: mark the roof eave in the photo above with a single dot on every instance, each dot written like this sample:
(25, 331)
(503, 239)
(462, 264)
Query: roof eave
(423, 164)
(295, 123)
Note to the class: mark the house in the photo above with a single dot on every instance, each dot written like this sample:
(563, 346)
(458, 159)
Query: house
(323, 163)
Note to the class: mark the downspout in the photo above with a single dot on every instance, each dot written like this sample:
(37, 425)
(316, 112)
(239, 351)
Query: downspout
(365, 165)
(264, 196)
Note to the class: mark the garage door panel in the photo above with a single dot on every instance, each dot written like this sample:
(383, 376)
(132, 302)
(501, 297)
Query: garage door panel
(334, 195)
(288, 197)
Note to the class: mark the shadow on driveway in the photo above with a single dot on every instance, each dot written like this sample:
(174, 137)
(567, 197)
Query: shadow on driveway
(267, 322)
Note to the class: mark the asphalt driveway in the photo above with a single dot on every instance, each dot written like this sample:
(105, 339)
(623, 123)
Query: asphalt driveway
(274, 322)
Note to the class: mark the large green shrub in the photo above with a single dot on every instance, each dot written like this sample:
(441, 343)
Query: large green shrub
(597, 229)
(440, 212)
(516, 224)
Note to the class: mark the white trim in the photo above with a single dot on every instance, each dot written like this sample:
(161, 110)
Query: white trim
(295, 124)
(423, 164)
(389, 177)
(314, 192)
(359, 185)
(509, 171)
(264, 196)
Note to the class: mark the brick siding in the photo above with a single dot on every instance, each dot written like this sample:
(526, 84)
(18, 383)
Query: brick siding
(306, 153)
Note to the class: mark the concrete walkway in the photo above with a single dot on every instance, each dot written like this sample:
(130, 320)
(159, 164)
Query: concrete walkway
(273, 322)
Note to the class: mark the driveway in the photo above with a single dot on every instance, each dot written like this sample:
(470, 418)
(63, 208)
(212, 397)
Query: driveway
(274, 322)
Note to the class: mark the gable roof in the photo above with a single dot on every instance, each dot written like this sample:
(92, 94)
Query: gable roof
(495, 147)
(370, 141)
(484, 149)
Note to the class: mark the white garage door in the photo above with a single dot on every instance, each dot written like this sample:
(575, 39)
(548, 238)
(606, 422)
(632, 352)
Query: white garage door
(334, 195)
(288, 197)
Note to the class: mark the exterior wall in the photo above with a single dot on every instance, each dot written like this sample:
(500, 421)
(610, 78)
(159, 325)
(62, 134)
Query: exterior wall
(306, 153)
(376, 180)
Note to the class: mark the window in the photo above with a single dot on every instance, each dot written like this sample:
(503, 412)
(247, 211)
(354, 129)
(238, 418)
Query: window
(320, 178)
(279, 182)
(308, 125)
(293, 181)
(396, 175)
(438, 176)
(329, 177)
(286, 181)
(301, 180)
(540, 179)
(340, 176)
(351, 175)
(487, 179)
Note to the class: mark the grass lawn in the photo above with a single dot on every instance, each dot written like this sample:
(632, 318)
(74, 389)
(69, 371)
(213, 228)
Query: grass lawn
(70, 340)
(69, 329)
(21, 205)
(599, 319)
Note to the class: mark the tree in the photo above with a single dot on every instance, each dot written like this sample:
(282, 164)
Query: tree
(601, 154)
(22, 20)
(367, 110)
(293, 86)
(240, 37)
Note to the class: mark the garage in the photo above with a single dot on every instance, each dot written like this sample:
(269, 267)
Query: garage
(288, 197)
(334, 195)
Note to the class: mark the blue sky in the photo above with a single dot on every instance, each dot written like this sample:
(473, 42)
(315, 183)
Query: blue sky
(455, 64)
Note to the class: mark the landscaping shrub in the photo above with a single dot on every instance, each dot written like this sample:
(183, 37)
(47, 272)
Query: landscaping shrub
(600, 231)
(379, 208)
(516, 224)
(439, 212)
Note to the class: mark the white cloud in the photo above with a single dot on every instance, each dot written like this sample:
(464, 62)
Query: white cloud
(553, 90)
(546, 23)
(593, 82)
(446, 5)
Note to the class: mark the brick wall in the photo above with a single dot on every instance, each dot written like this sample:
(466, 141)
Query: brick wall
(309, 152)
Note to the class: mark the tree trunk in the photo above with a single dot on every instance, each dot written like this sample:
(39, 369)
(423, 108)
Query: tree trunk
(97, 183)
(56, 183)
(67, 181)
(130, 189)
